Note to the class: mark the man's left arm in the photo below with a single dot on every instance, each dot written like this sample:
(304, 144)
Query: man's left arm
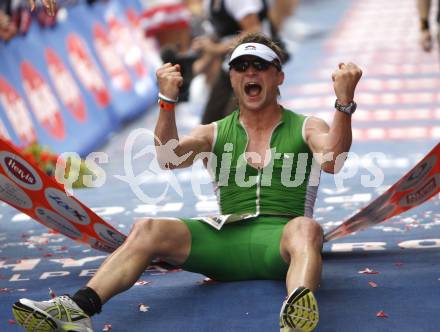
(329, 142)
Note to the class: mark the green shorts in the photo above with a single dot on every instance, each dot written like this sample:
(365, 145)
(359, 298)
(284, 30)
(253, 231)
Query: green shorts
(243, 250)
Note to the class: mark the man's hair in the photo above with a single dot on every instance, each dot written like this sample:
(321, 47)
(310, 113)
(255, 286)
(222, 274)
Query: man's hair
(260, 38)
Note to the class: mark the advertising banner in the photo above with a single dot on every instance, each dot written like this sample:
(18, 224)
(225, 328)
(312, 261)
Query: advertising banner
(25, 187)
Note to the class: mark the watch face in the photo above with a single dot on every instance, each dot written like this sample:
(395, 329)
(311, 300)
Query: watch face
(348, 109)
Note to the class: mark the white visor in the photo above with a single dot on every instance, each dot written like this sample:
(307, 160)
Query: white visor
(254, 49)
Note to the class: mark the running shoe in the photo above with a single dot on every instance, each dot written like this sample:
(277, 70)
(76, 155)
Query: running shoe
(60, 314)
(299, 312)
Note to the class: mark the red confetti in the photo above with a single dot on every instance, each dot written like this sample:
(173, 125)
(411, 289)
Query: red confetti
(368, 271)
(372, 284)
(382, 314)
(52, 294)
(11, 321)
(48, 255)
(107, 327)
(142, 282)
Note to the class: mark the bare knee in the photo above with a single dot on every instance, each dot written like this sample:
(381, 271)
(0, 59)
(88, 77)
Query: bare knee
(142, 228)
(301, 234)
(161, 237)
(145, 233)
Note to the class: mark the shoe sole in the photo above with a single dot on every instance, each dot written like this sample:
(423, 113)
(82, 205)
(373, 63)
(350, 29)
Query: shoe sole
(300, 311)
(33, 319)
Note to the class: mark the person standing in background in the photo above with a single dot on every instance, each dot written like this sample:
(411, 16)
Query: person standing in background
(50, 6)
(230, 20)
(7, 27)
(426, 40)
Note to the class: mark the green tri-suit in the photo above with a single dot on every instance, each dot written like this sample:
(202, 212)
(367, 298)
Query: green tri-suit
(273, 195)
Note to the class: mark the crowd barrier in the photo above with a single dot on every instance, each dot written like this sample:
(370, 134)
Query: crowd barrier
(70, 86)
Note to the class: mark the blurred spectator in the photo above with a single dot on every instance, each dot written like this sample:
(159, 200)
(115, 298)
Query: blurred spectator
(16, 18)
(50, 6)
(7, 27)
(169, 22)
(426, 40)
(280, 10)
(229, 19)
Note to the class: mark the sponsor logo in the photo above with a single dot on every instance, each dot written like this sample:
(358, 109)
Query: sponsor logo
(99, 245)
(126, 46)
(119, 76)
(417, 175)
(250, 48)
(20, 171)
(86, 69)
(107, 234)
(43, 102)
(422, 193)
(65, 86)
(12, 194)
(16, 112)
(66, 206)
(55, 221)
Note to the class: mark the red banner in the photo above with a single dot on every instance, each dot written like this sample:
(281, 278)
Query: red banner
(24, 186)
(416, 187)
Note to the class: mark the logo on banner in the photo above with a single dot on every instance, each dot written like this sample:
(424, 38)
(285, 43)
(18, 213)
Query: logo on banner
(20, 171)
(66, 206)
(55, 221)
(13, 194)
(126, 46)
(422, 193)
(110, 59)
(109, 235)
(100, 245)
(16, 112)
(417, 174)
(147, 44)
(65, 86)
(86, 69)
(42, 100)
(132, 17)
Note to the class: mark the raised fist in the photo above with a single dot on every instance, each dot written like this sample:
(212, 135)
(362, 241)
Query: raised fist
(345, 80)
(170, 80)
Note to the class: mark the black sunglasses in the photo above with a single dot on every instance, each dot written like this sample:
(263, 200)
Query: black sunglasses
(257, 64)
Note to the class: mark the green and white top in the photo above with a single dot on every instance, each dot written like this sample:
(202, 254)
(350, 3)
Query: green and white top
(286, 185)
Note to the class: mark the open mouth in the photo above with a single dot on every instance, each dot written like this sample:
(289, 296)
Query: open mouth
(252, 89)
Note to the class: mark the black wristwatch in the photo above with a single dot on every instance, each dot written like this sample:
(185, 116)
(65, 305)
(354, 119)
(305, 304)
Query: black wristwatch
(347, 109)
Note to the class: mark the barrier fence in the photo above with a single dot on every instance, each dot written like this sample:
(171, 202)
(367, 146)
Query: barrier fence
(70, 86)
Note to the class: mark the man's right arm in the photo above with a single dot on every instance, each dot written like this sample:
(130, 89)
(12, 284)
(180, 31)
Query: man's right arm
(172, 151)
